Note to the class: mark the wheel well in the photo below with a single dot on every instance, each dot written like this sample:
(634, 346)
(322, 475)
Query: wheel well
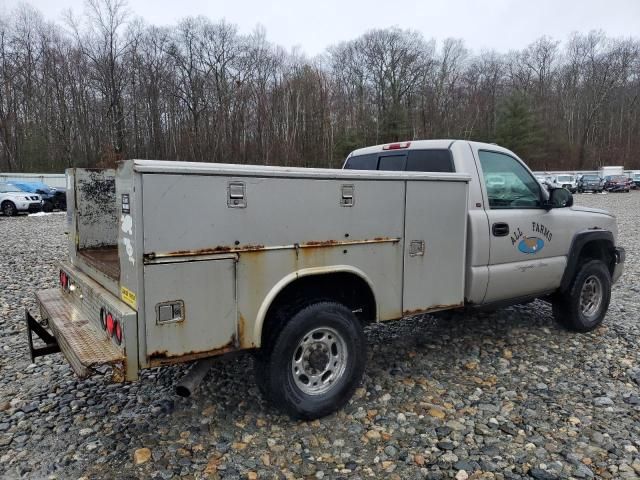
(343, 287)
(598, 250)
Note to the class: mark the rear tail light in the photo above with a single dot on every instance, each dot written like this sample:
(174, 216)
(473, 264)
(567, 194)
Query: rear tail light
(64, 279)
(110, 324)
(117, 332)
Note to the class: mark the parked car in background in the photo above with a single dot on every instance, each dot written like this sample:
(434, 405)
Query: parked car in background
(590, 183)
(13, 200)
(550, 182)
(617, 183)
(52, 198)
(636, 179)
(567, 181)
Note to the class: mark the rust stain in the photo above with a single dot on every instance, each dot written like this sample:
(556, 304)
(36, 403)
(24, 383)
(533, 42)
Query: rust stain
(241, 329)
(322, 243)
(433, 308)
(259, 247)
(162, 357)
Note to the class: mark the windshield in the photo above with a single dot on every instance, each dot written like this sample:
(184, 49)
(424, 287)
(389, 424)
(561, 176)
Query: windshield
(565, 178)
(619, 178)
(7, 187)
(591, 177)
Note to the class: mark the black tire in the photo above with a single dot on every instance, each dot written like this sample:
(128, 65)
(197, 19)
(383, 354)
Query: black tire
(569, 308)
(298, 340)
(9, 209)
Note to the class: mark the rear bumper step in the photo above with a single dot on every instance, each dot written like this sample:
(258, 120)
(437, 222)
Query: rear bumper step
(87, 349)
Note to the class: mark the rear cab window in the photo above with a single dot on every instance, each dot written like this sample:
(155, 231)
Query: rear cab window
(431, 160)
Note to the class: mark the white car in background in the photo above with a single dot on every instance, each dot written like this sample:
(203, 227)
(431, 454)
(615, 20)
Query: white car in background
(567, 181)
(13, 200)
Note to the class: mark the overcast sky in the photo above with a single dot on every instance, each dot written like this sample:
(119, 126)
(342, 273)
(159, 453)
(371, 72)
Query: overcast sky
(312, 26)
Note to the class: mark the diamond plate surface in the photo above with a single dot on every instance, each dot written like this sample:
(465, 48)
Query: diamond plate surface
(82, 343)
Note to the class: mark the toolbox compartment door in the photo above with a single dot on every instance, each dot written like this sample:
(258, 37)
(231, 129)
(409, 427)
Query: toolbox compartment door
(434, 250)
(190, 309)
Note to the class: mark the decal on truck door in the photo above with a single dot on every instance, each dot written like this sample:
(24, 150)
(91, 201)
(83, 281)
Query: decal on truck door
(530, 244)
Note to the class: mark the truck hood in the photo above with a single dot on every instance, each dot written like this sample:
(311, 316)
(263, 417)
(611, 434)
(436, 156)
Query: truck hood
(592, 210)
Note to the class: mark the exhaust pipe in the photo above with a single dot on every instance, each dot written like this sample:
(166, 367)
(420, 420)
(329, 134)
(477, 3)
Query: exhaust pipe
(191, 381)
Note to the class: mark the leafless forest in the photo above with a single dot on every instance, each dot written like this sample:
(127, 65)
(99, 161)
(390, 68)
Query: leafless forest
(102, 85)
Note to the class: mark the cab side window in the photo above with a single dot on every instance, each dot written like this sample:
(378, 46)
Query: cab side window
(508, 183)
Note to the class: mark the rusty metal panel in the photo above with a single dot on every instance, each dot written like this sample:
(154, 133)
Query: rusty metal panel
(435, 238)
(207, 325)
(95, 207)
(259, 273)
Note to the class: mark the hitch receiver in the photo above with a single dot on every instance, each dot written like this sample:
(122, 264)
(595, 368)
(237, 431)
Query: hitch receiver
(51, 344)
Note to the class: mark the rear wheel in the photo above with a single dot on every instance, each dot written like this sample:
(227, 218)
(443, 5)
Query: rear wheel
(584, 305)
(311, 367)
(9, 209)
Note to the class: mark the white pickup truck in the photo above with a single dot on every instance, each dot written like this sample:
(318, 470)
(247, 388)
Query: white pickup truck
(171, 262)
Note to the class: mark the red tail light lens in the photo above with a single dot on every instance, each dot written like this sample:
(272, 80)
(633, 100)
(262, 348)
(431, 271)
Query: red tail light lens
(64, 279)
(110, 324)
(118, 332)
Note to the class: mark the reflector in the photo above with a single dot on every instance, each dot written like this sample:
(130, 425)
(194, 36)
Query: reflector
(110, 324)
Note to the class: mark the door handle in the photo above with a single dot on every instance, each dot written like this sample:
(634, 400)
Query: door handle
(500, 229)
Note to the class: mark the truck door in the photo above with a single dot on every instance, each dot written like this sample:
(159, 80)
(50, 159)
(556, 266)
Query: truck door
(526, 255)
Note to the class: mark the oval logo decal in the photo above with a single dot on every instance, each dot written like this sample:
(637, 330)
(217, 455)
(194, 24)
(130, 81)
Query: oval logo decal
(531, 245)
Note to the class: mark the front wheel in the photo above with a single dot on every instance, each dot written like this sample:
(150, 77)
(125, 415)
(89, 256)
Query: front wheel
(9, 209)
(312, 366)
(583, 306)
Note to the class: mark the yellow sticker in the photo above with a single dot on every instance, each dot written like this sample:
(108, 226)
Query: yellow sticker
(128, 297)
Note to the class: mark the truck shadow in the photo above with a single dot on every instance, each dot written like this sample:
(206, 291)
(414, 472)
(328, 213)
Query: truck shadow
(413, 348)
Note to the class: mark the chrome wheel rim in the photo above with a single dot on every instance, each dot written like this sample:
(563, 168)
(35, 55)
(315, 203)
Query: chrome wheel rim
(319, 361)
(591, 296)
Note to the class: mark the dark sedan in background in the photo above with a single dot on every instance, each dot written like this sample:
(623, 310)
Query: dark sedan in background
(53, 198)
(617, 183)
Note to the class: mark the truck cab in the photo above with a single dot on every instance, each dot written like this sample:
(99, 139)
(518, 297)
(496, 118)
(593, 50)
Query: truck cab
(520, 237)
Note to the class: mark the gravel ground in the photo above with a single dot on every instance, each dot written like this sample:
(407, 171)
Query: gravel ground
(501, 395)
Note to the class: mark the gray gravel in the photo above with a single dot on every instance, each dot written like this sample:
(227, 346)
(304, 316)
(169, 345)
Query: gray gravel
(501, 395)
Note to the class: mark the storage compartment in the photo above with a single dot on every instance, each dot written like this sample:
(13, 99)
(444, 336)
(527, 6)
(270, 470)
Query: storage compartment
(190, 309)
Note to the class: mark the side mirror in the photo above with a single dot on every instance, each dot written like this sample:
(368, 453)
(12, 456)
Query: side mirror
(559, 198)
